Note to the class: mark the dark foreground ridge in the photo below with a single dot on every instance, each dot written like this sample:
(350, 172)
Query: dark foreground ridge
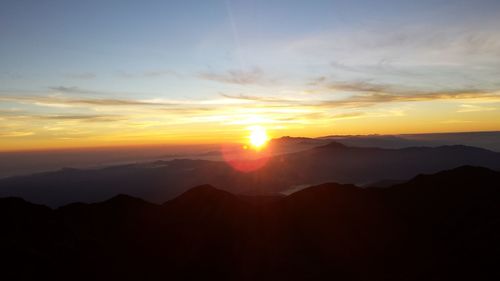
(444, 226)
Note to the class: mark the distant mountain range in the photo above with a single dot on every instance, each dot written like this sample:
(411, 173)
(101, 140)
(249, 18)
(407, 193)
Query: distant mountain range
(163, 180)
(29, 162)
(487, 140)
(443, 226)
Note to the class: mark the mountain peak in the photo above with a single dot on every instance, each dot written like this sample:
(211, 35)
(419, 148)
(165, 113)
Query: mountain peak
(290, 139)
(204, 193)
(204, 188)
(333, 145)
(465, 171)
(325, 189)
(124, 199)
(463, 179)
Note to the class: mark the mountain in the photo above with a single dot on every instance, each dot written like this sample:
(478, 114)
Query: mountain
(487, 140)
(341, 163)
(443, 226)
(29, 162)
(163, 180)
(18, 163)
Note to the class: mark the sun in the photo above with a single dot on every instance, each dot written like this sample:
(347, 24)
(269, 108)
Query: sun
(258, 137)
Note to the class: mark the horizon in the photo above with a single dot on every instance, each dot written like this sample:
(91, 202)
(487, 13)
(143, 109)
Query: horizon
(125, 73)
(237, 142)
(25, 162)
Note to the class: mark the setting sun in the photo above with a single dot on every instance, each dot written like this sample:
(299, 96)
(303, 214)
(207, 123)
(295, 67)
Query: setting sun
(258, 137)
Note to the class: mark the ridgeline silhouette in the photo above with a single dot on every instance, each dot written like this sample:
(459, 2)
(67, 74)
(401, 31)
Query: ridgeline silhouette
(443, 226)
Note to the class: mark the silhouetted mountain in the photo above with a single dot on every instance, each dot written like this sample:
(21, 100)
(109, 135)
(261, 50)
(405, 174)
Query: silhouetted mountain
(29, 162)
(443, 226)
(382, 141)
(340, 163)
(287, 140)
(486, 140)
(162, 180)
(384, 183)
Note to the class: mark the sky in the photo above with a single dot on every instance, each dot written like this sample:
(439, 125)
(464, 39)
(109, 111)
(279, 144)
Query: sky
(105, 73)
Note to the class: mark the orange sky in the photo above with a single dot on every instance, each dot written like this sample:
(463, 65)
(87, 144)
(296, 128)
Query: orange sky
(231, 123)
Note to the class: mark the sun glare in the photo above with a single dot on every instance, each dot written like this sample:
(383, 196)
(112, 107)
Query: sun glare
(258, 137)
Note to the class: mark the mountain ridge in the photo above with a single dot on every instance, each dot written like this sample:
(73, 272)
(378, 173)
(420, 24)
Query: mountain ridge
(167, 179)
(324, 232)
(208, 190)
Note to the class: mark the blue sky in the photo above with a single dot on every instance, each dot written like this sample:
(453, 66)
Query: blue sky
(64, 59)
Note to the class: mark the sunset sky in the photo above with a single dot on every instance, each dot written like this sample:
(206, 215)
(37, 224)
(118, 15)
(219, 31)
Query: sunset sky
(104, 73)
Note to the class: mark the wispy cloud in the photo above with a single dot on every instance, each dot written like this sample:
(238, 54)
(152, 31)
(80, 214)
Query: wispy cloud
(16, 134)
(72, 115)
(26, 115)
(359, 86)
(417, 45)
(363, 86)
(349, 115)
(456, 121)
(240, 77)
(161, 73)
(86, 118)
(370, 99)
(474, 108)
(74, 101)
(72, 90)
(354, 94)
(257, 98)
(81, 75)
(384, 66)
(422, 55)
(154, 73)
(364, 94)
(12, 75)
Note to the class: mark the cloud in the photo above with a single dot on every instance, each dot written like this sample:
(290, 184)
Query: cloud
(114, 102)
(160, 73)
(107, 116)
(12, 75)
(86, 118)
(240, 77)
(25, 115)
(273, 109)
(72, 90)
(405, 55)
(257, 98)
(348, 115)
(474, 108)
(82, 75)
(15, 134)
(382, 67)
(317, 81)
(367, 86)
(149, 74)
(65, 101)
(456, 121)
(365, 94)
(372, 98)
(359, 86)
(409, 44)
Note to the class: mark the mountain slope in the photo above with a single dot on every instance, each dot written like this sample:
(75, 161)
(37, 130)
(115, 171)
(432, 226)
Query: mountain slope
(163, 180)
(443, 226)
